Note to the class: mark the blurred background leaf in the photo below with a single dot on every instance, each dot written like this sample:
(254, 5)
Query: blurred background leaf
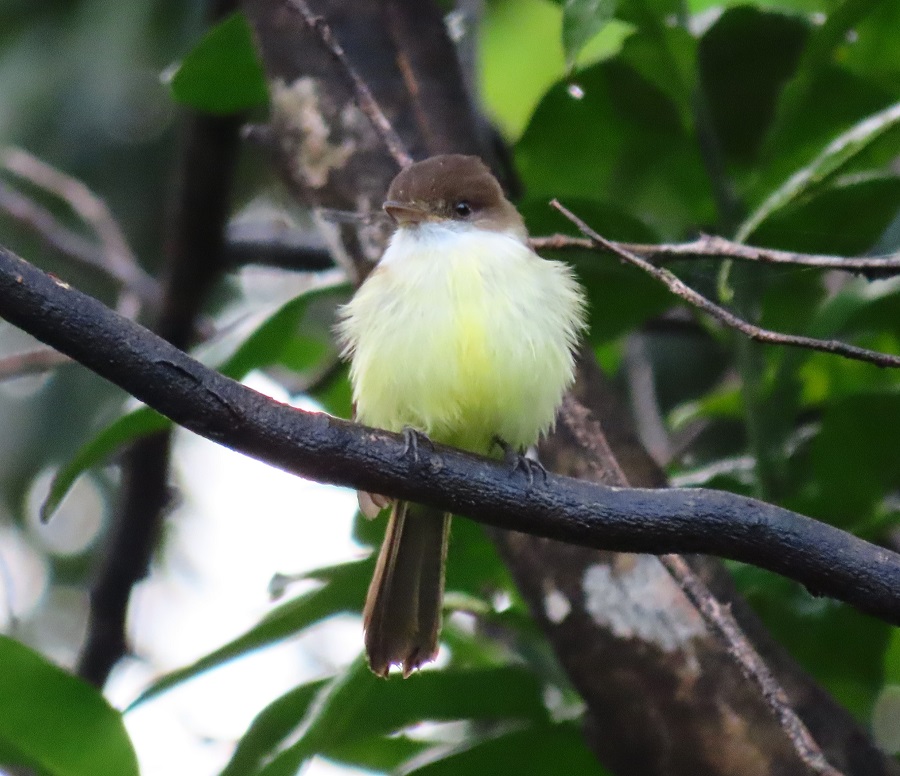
(222, 73)
(56, 724)
(582, 20)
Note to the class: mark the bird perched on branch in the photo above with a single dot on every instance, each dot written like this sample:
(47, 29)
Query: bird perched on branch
(461, 333)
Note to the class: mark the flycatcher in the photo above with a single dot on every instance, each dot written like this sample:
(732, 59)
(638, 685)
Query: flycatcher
(466, 335)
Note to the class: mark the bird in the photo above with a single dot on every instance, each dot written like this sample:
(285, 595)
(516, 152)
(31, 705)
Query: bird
(464, 335)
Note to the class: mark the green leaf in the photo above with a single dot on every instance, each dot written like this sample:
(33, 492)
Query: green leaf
(818, 60)
(648, 14)
(745, 58)
(513, 84)
(222, 74)
(892, 658)
(473, 565)
(623, 140)
(582, 20)
(864, 430)
(857, 309)
(384, 754)
(139, 423)
(534, 750)
(55, 723)
(873, 50)
(361, 706)
(270, 728)
(844, 217)
(666, 56)
(849, 306)
(835, 100)
(276, 339)
(836, 154)
(344, 591)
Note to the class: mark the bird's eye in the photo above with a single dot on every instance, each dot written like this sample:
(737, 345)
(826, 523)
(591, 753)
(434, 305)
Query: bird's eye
(462, 209)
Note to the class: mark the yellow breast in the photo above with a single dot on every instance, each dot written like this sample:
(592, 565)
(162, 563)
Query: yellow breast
(463, 334)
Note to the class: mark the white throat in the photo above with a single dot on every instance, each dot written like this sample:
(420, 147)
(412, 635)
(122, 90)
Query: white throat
(444, 239)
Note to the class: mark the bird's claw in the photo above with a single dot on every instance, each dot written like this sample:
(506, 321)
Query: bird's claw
(411, 438)
(521, 462)
(530, 466)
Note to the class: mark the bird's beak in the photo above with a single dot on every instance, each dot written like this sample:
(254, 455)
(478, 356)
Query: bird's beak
(404, 213)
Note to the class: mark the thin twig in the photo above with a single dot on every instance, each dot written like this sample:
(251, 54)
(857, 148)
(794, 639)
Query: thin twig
(31, 362)
(364, 98)
(718, 618)
(114, 255)
(79, 197)
(712, 246)
(44, 224)
(688, 294)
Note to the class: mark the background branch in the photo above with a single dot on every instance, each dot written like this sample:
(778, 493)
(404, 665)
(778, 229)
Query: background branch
(300, 249)
(718, 618)
(73, 246)
(708, 246)
(31, 362)
(116, 256)
(194, 262)
(695, 298)
(270, 245)
(367, 103)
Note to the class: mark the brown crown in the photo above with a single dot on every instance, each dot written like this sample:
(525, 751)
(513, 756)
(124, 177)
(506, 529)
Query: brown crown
(440, 184)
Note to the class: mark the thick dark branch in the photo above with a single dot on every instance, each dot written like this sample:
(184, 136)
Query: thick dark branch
(709, 246)
(695, 298)
(825, 559)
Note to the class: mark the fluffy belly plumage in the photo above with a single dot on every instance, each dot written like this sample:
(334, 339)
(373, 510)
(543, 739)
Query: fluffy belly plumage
(464, 340)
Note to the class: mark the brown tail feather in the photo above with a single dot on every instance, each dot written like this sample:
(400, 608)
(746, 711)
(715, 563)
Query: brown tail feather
(402, 616)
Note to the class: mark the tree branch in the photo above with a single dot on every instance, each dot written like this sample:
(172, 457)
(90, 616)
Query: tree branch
(718, 618)
(298, 249)
(364, 98)
(708, 246)
(680, 289)
(73, 246)
(194, 261)
(824, 558)
(257, 243)
(115, 256)
(31, 362)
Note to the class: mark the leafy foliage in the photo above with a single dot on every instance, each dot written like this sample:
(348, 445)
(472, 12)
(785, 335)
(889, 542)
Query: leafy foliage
(222, 74)
(645, 117)
(582, 20)
(55, 724)
(274, 338)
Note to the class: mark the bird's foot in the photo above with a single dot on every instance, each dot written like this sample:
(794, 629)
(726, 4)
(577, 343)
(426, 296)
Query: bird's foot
(411, 439)
(519, 462)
